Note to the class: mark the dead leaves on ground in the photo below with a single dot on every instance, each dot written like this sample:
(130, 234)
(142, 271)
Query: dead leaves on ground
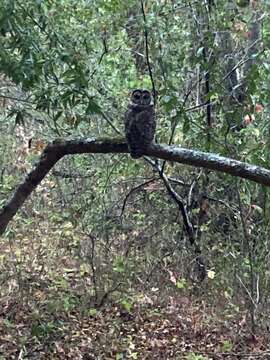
(150, 331)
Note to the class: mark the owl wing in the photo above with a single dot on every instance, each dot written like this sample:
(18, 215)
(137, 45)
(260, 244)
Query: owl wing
(145, 125)
(129, 118)
(140, 131)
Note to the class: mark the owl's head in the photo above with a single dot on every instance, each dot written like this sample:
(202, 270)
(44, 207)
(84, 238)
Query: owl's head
(141, 97)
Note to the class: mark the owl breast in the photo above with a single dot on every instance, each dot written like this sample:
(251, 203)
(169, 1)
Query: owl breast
(140, 126)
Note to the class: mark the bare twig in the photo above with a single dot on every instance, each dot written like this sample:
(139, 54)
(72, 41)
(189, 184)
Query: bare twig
(250, 254)
(186, 220)
(194, 181)
(178, 200)
(242, 61)
(199, 106)
(16, 99)
(147, 53)
(136, 188)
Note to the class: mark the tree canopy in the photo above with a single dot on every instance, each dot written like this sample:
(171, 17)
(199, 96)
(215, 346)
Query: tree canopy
(193, 212)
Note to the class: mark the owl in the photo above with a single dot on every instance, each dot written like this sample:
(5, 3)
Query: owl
(140, 123)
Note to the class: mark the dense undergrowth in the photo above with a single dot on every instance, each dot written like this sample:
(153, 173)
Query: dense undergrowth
(99, 263)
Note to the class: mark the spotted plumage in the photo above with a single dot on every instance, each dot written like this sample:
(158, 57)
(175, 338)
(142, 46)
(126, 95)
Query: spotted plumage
(140, 123)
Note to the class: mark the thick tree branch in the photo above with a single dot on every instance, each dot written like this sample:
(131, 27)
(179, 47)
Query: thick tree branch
(59, 148)
(212, 162)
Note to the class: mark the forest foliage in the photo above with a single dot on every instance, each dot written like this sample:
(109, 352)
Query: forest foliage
(135, 235)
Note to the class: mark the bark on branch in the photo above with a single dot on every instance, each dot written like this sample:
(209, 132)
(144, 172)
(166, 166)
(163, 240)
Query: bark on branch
(59, 148)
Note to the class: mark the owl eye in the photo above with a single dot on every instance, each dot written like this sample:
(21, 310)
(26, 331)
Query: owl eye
(146, 96)
(137, 96)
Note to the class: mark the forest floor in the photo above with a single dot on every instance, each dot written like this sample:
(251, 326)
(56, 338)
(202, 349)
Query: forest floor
(53, 325)
(47, 312)
(147, 332)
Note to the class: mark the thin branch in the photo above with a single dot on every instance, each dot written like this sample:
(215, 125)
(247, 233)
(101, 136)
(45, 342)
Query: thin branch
(104, 52)
(177, 199)
(147, 54)
(16, 99)
(242, 61)
(194, 182)
(178, 181)
(174, 128)
(65, 175)
(208, 101)
(247, 291)
(132, 191)
(199, 106)
(186, 220)
(106, 118)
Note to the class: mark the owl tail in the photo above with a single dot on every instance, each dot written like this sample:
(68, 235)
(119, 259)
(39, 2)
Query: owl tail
(136, 153)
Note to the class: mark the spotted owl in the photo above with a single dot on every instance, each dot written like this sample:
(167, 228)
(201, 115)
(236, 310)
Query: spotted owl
(140, 123)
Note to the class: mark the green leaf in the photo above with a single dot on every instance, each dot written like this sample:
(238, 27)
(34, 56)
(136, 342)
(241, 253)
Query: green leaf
(127, 305)
(226, 346)
(181, 284)
(92, 312)
(93, 107)
(119, 356)
(186, 125)
(119, 265)
(200, 51)
(169, 102)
